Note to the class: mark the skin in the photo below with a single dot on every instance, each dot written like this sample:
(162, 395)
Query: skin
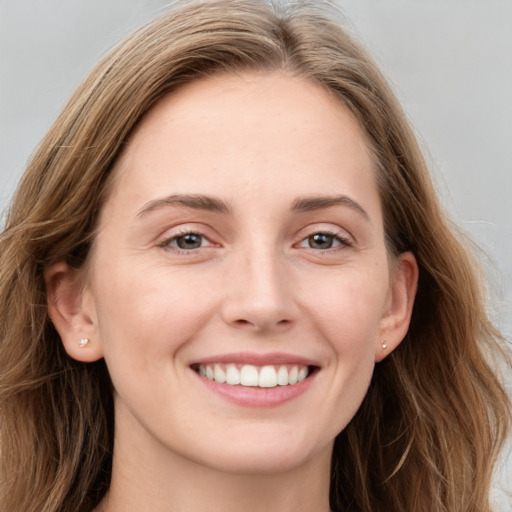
(257, 284)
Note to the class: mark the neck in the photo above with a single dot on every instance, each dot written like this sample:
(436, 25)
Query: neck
(162, 481)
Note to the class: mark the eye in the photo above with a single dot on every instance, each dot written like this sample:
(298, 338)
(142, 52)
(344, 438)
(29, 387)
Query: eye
(324, 240)
(186, 242)
(189, 241)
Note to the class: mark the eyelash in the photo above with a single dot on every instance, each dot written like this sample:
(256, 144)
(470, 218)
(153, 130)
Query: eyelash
(344, 242)
(166, 244)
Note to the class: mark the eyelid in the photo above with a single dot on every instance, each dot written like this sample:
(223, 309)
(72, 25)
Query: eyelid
(343, 235)
(182, 230)
(181, 235)
(343, 242)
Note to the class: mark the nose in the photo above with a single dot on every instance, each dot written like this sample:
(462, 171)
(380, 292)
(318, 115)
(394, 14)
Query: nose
(259, 293)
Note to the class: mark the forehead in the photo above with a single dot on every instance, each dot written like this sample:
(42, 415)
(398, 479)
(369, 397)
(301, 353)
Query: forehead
(242, 133)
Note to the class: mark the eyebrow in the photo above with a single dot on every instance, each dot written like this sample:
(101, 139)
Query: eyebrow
(194, 201)
(213, 204)
(310, 203)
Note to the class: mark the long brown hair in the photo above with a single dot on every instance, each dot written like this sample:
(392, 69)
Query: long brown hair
(435, 416)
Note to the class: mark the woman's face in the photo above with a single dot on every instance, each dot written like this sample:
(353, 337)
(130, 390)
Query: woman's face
(243, 240)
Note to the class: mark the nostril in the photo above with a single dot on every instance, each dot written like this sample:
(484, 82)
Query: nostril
(241, 321)
(262, 324)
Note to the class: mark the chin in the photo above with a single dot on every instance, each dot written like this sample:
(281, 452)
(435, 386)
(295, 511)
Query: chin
(263, 453)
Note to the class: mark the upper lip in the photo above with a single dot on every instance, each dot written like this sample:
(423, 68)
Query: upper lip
(256, 359)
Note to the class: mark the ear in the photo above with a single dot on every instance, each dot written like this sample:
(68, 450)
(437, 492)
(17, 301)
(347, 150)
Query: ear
(396, 318)
(72, 312)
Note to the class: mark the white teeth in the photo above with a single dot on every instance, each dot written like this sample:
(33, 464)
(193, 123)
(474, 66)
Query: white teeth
(255, 376)
(232, 375)
(268, 377)
(282, 376)
(219, 374)
(249, 375)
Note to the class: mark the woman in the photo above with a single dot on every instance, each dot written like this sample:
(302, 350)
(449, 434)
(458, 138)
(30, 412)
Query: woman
(227, 284)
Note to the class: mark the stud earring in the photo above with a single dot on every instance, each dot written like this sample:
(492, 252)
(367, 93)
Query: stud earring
(384, 345)
(83, 342)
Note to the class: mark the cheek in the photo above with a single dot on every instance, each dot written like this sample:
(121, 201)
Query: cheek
(348, 318)
(348, 308)
(149, 312)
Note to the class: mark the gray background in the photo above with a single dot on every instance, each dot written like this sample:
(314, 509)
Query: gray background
(450, 62)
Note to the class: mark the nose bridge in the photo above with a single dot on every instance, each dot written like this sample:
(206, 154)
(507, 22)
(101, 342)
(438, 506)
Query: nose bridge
(259, 293)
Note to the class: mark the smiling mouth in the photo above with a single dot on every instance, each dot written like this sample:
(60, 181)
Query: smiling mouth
(267, 376)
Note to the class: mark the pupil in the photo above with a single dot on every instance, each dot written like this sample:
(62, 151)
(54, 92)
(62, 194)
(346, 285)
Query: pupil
(189, 241)
(321, 241)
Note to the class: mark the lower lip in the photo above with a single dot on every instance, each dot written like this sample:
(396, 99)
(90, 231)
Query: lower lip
(255, 396)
